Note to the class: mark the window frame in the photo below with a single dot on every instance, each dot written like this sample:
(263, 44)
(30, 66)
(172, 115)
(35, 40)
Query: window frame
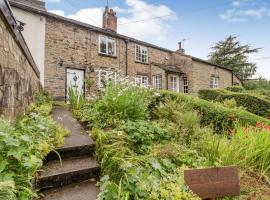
(107, 39)
(139, 58)
(107, 77)
(157, 85)
(139, 80)
(214, 82)
(185, 85)
(176, 88)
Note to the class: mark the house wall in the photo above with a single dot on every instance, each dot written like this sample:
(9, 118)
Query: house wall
(68, 45)
(202, 73)
(18, 78)
(34, 35)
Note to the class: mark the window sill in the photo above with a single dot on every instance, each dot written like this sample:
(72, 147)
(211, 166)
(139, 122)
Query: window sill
(143, 63)
(106, 55)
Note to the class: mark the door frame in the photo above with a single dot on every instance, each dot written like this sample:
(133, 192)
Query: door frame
(74, 68)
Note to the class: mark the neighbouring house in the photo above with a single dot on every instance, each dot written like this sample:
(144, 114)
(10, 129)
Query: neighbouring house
(70, 52)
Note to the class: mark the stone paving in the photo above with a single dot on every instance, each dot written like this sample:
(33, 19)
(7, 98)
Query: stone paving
(75, 176)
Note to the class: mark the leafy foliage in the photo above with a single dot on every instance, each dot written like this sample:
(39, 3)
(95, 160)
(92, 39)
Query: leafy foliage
(232, 54)
(75, 98)
(236, 88)
(215, 114)
(144, 157)
(117, 105)
(251, 103)
(23, 145)
(257, 84)
(248, 148)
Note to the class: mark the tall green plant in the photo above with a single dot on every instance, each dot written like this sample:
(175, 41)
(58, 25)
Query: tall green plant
(75, 98)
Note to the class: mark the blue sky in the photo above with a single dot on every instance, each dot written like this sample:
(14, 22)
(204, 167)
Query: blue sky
(200, 22)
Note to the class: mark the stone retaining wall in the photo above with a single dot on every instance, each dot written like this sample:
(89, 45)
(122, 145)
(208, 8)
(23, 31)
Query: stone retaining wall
(19, 79)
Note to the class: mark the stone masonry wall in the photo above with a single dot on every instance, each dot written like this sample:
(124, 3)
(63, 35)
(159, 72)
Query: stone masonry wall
(202, 74)
(71, 46)
(18, 81)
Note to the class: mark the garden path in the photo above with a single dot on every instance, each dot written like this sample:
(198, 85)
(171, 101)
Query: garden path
(73, 178)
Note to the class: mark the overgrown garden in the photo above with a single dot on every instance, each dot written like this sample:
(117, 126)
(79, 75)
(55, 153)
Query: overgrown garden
(23, 145)
(146, 139)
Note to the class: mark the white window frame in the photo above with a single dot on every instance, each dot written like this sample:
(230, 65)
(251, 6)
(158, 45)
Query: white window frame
(141, 51)
(185, 83)
(109, 75)
(141, 81)
(107, 45)
(214, 82)
(157, 82)
(174, 84)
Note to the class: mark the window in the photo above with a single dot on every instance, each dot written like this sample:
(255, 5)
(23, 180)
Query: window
(141, 54)
(185, 85)
(107, 45)
(106, 77)
(141, 81)
(157, 82)
(174, 83)
(214, 82)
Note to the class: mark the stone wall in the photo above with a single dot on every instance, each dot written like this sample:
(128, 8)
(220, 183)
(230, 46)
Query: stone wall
(202, 73)
(70, 46)
(18, 79)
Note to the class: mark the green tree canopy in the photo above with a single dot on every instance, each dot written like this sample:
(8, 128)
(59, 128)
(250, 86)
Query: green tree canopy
(233, 55)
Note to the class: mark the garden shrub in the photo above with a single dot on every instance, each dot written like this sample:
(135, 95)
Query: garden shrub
(220, 117)
(251, 103)
(119, 103)
(23, 144)
(236, 88)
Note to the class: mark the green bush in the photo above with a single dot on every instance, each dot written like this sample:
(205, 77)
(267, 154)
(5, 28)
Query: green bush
(23, 144)
(251, 103)
(222, 118)
(119, 103)
(236, 89)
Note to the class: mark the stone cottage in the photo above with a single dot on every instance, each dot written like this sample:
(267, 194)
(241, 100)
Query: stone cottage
(70, 52)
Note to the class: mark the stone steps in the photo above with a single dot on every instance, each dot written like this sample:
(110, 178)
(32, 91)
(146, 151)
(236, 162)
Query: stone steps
(74, 176)
(72, 151)
(81, 191)
(73, 170)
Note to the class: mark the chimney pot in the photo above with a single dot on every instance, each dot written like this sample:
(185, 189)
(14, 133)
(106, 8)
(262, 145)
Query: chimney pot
(180, 50)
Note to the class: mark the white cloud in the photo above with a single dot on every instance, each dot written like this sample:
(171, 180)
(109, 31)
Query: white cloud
(262, 61)
(58, 12)
(242, 15)
(154, 30)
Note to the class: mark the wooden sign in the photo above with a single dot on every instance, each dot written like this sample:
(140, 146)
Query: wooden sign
(213, 183)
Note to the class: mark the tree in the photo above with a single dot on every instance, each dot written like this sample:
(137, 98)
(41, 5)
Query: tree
(231, 54)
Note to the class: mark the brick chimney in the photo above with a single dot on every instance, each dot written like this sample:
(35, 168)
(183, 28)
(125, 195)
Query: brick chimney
(109, 20)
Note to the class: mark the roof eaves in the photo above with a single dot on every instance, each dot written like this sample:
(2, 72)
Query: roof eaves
(84, 25)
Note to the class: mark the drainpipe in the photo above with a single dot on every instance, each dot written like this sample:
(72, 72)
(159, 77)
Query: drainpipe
(126, 41)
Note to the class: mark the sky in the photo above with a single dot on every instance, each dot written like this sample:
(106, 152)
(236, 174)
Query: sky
(199, 23)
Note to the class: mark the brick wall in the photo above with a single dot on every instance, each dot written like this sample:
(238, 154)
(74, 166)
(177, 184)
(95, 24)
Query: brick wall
(18, 80)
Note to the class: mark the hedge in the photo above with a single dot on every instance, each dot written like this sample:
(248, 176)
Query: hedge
(220, 117)
(236, 88)
(251, 103)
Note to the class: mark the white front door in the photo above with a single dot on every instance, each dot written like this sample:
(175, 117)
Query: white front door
(75, 79)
